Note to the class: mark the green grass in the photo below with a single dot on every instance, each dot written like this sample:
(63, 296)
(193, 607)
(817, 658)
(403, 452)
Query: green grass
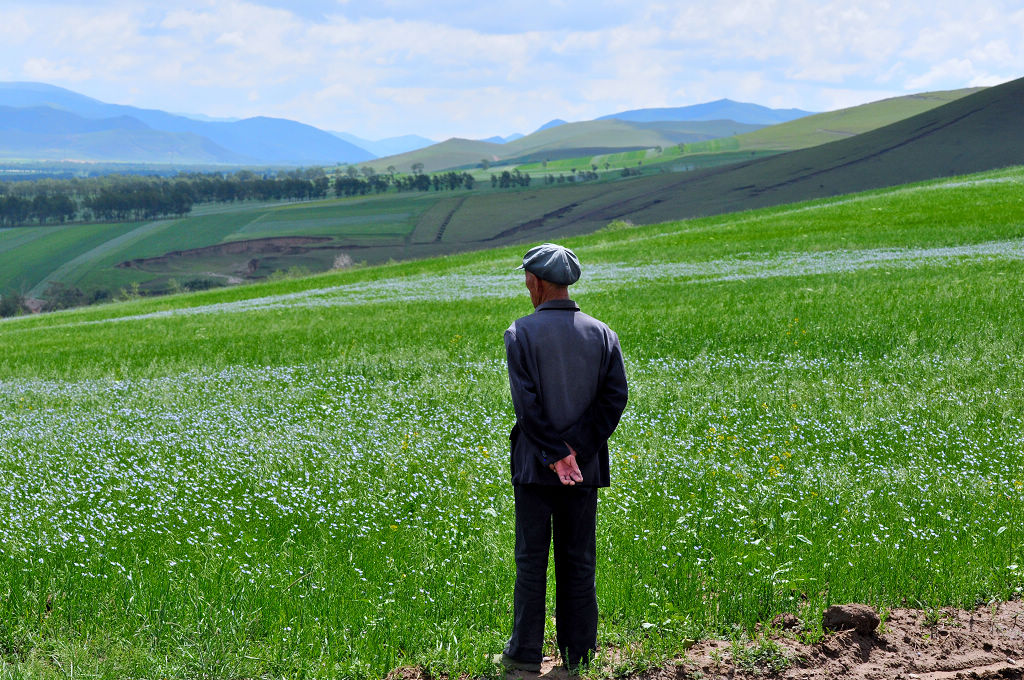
(26, 257)
(798, 134)
(309, 477)
(827, 127)
(87, 255)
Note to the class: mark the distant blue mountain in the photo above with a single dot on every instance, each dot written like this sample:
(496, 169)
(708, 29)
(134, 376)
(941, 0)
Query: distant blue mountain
(258, 140)
(550, 124)
(43, 133)
(390, 146)
(722, 109)
(45, 120)
(503, 140)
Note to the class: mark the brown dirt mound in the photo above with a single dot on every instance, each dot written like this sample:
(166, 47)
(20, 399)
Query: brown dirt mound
(941, 644)
(911, 644)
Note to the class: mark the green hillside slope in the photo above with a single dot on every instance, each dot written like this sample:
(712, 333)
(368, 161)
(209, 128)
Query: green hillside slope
(309, 478)
(606, 136)
(978, 132)
(827, 127)
(728, 148)
(451, 153)
(598, 139)
(617, 133)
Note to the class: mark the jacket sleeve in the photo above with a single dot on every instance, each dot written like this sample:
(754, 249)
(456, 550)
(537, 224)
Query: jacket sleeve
(591, 432)
(530, 417)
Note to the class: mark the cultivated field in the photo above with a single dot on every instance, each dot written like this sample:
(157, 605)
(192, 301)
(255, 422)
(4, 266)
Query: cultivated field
(309, 477)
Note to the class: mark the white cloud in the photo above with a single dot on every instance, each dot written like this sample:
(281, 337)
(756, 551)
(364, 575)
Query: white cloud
(475, 69)
(45, 70)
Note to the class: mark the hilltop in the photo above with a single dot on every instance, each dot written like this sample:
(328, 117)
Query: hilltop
(827, 127)
(698, 141)
(721, 109)
(568, 140)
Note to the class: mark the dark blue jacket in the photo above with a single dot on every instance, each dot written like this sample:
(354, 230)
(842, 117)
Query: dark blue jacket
(568, 385)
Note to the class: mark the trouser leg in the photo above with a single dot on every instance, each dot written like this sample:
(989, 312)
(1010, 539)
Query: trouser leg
(533, 540)
(575, 526)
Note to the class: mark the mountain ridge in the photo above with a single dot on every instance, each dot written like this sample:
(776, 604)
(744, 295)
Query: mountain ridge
(720, 109)
(261, 139)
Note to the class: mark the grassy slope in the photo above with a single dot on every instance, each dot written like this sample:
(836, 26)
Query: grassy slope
(212, 489)
(727, 136)
(29, 254)
(616, 133)
(556, 141)
(798, 134)
(87, 255)
(972, 133)
(451, 153)
(828, 127)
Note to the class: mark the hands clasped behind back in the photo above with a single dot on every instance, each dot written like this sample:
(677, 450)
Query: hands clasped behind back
(567, 469)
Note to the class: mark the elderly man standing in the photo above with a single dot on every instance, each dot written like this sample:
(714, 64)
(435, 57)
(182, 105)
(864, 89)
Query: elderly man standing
(568, 387)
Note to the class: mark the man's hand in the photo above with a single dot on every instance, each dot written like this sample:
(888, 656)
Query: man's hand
(567, 470)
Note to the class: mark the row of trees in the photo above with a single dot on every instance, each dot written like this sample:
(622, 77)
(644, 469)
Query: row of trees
(43, 208)
(352, 185)
(120, 198)
(140, 200)
(507, 180)
(133, 197)
(584, 176)
(117, 197)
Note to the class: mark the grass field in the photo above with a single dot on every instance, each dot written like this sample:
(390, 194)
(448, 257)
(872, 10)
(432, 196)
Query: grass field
(827, 127)
(308, 478)
(87, 255)
(797, 134)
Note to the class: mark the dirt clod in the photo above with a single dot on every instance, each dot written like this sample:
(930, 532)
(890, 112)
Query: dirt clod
(908, 646)
(786, 621)
(858, 617)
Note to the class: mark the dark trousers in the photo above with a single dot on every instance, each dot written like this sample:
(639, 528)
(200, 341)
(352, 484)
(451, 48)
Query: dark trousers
(569, 514)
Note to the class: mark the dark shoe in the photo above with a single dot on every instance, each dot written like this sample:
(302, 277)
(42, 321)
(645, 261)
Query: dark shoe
(573, 669)
(515, 664)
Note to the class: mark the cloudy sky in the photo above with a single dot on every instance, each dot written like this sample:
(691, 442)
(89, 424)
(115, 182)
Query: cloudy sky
(443, 68)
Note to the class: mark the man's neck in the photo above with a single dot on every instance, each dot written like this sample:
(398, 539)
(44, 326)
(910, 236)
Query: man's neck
(550, 294)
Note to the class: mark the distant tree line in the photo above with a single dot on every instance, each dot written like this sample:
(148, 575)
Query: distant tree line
(134, 197)
(373, 183)
(507, 180)
(49, 202)
(574, 176)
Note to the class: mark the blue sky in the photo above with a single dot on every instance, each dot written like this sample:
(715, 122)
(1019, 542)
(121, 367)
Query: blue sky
(444, 68)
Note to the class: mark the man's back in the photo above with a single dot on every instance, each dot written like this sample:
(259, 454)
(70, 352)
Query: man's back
(564, 365)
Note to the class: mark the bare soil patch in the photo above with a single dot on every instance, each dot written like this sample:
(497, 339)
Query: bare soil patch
(942, 644)
(910, 644)
(278, 245)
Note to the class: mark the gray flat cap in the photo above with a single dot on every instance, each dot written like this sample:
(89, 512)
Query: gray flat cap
(553, 263)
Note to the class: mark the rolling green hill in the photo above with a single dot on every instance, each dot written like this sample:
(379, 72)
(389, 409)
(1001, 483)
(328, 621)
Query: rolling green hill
(827, 127)
(227, 244)
(597, 140)
(309, 478)
(599, 136)
(798, 134)
(451, 153)
(618, 133)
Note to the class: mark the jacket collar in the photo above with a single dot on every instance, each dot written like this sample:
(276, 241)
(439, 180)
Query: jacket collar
(564, 305)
